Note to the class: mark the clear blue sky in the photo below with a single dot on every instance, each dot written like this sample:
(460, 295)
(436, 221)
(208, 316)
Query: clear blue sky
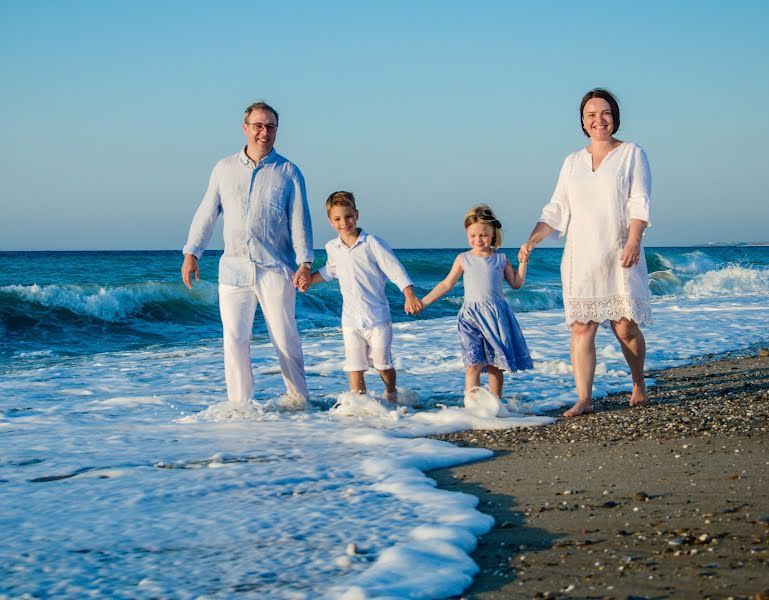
(113, 113)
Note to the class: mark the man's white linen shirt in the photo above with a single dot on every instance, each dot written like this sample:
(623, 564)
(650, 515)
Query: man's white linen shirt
(363, 270)
(265, 213)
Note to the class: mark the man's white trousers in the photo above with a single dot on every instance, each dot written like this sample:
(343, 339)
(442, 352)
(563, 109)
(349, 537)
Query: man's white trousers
(237, 306)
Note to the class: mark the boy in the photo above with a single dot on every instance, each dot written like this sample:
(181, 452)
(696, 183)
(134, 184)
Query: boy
(363, 263)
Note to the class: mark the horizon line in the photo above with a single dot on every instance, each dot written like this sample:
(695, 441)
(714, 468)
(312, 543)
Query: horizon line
(208, 250)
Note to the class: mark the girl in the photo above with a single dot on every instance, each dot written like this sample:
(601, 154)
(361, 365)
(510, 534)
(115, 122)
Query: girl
(488, 331)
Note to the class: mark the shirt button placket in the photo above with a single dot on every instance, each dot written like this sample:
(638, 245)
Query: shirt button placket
(250, 212)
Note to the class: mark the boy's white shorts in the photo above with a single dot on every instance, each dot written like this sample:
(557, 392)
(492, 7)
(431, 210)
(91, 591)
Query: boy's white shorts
(368, 347)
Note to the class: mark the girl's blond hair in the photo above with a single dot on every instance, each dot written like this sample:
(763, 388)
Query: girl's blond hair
(483, 214)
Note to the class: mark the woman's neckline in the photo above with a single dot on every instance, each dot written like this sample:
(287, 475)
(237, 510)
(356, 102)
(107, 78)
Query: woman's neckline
(609, 153)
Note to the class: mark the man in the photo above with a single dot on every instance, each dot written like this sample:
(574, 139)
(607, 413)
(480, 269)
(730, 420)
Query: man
(267, 231)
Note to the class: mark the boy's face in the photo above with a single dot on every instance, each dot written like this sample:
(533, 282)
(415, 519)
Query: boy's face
(344, 219)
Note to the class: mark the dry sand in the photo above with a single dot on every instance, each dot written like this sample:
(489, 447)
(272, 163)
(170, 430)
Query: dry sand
(667, 501)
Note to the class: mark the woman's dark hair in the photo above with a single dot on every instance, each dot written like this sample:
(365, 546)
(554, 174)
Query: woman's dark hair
(605, 95)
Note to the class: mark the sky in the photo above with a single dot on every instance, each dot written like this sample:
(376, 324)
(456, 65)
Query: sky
(112, 114)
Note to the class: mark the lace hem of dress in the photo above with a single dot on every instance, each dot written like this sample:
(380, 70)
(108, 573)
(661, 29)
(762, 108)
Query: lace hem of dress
(611, 308)
(479, 357)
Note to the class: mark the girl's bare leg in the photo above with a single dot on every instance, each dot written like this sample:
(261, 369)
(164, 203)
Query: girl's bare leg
(473, 376)
(633, 345)
(583, 366)
(496, 380)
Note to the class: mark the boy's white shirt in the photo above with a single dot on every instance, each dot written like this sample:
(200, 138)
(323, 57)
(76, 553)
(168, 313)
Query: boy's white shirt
(363, 270)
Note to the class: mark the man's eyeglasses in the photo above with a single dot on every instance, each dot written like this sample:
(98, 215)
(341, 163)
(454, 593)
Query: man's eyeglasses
(259, 126)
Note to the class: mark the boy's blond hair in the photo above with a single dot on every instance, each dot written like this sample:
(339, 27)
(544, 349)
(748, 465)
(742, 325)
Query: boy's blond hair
(483, 214)
(340, 199)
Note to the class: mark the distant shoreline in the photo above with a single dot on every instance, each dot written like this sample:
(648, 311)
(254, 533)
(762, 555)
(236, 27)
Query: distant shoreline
(458, 249)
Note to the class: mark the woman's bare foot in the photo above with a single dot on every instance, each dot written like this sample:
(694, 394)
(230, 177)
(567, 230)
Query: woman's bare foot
(580, 408)
(391, 397)
(638, 397)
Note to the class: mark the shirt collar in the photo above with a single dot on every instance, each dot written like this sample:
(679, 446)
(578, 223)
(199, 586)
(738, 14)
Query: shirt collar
(361, 240)
(246, 161)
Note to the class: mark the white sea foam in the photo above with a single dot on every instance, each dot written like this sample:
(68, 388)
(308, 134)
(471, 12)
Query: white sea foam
(76, 392)
(127, 401)
(113, 303)
(482, 403)
(225, 411)
(738, 281)
(352, 404)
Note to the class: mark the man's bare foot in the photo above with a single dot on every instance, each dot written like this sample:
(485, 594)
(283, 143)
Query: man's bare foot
(391, 397)
(292, 402)
(638, 397)
(580, 408)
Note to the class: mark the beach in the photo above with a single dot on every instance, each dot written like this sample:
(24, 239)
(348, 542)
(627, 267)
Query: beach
(666, 501)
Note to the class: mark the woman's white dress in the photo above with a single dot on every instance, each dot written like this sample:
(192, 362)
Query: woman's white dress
(593, 210)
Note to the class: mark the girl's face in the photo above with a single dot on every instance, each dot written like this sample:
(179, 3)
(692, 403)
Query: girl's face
(480, 236)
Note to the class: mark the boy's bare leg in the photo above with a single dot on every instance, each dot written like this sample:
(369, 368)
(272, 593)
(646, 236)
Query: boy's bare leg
(496, 380)
(391, 391)
(357, 382)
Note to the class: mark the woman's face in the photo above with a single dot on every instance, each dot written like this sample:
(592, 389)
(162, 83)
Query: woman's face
(597, 119)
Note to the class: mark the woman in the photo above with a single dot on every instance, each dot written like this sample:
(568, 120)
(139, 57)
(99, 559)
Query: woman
(601, 204)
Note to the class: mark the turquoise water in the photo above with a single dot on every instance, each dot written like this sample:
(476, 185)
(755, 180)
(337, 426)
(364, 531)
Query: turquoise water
(86, 302)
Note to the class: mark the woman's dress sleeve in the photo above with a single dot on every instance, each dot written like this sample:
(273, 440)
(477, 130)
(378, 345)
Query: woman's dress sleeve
(557, 212)
(640, 191)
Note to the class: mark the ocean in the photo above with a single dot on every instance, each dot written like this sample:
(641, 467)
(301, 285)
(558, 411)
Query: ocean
(124, 474)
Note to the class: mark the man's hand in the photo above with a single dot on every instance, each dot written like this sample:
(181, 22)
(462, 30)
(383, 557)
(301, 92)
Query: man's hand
(190, 267)
(302, 279)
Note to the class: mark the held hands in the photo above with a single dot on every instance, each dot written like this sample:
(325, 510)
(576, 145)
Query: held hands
(539, 233)
(302, 279)
(412, 306)
(189, 268)
(525, 252)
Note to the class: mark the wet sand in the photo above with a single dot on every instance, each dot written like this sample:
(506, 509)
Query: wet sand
(666, 501)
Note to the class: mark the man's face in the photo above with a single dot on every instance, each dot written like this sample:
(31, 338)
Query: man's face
(260, 129)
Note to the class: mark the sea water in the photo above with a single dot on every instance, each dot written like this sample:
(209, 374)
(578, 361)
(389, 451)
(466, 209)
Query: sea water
(123, 473)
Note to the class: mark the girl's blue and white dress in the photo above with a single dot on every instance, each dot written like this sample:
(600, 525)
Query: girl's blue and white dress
(488, 330)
